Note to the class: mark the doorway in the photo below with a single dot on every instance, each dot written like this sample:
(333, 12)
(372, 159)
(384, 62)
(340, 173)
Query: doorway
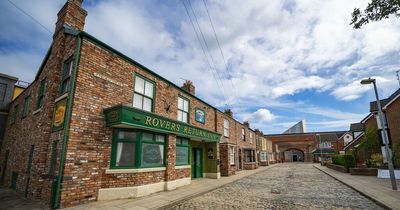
(240, 159)
(197, 163)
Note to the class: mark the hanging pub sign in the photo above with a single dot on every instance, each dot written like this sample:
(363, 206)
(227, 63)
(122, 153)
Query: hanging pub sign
(200, 116)
(59, 115)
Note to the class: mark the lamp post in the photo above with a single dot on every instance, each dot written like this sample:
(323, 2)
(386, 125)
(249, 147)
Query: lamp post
(384, 132)
(320, 148)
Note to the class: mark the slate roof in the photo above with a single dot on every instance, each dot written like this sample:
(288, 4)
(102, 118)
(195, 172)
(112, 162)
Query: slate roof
(373, 107)
(329, 137)
(356, 127)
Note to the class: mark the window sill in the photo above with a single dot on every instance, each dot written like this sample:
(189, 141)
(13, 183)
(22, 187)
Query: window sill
(182, 167)
(61, 97)
(37, 111)
(134, 170)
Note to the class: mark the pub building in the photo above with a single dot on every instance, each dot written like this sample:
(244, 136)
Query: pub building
(97, 125)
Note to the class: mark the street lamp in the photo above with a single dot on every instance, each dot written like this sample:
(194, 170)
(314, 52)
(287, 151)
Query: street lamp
(384, 132)
(320, 148)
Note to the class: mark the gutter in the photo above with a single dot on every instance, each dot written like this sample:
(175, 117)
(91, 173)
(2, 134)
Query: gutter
(67, 123)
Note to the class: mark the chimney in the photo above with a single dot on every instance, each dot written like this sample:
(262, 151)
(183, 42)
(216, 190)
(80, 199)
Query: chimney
(246, 123)
(189, 87)
(228, 112)
(71, 14)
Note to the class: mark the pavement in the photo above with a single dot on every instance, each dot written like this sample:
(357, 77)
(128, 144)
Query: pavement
(11, 200)
(379, 190)
(166, 199)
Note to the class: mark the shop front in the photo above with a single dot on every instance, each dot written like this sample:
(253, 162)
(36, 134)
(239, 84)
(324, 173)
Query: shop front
(155, 153)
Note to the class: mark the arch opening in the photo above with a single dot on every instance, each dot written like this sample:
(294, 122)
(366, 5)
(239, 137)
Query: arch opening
(294, 155)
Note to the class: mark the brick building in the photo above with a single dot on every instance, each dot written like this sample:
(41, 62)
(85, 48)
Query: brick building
(97, 125)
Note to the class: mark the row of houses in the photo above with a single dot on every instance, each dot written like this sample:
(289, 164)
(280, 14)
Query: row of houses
(97, 125)
(370, 123)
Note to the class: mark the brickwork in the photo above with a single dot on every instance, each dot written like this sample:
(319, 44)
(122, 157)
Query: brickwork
(393, 120)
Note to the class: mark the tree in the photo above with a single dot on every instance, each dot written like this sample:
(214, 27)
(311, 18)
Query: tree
(375, 11)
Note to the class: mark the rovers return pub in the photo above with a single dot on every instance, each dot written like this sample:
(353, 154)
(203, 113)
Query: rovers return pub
(97, 125)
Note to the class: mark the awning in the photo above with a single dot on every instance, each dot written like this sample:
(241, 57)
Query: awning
(122, 116)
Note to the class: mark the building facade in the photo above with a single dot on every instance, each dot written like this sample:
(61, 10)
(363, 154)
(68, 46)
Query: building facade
(97, 125)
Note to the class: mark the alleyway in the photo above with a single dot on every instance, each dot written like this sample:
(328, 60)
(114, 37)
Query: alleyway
(288, 186)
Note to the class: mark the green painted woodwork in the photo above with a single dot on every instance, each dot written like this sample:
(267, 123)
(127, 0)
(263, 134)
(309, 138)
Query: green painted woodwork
(14, 179)
(25, 109)
(123, 115)
(182, 145)
(197, 163)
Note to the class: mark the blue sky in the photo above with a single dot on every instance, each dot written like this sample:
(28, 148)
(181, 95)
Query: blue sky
(287, 60)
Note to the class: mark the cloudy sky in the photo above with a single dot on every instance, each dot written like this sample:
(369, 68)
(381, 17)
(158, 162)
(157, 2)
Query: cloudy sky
(281, 61)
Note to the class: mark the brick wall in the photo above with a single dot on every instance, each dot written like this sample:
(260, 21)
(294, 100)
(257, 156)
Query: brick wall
(393, 119)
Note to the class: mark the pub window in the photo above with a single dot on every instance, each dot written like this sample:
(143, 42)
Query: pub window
(137, 149)
(183, 109)
(243, 135)
(25, 109)
(41, 93)
(226, 128)
(143, 97)
(3, 90)
(15, 113)
(232, 155)
(65, 76)
(182, 151)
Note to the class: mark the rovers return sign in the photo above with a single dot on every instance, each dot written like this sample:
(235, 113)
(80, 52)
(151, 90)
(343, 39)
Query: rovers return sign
(125, 116)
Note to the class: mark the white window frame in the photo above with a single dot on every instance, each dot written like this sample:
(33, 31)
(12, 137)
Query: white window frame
(232, 155)
(142, 95)
(243, 134)
(226, 128)
(251, 138)
(183, 110)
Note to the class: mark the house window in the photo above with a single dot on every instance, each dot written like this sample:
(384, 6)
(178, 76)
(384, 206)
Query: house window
(66, 74)
(251, 137)
(243, 135)
(183, 109)
(226, 128)
(137, 149)
(41, 93)
(25, 109)
(182, 151)
(15, 113)
(232, 155)
(3, 90)
(143, 98)
(249, 156)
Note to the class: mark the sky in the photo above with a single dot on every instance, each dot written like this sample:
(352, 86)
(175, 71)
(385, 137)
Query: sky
(273, 63)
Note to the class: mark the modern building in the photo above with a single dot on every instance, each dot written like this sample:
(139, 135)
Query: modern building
(97, 125)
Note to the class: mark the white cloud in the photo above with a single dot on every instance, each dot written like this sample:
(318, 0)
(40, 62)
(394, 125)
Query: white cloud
(262, 115)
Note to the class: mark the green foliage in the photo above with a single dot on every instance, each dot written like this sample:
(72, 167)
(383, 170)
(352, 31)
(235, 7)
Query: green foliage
(376, 10)
(396, 155)
(375, 161)
(370, 145)
(347, 160)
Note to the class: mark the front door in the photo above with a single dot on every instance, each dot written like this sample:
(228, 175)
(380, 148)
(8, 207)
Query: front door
(295, 158)
(240, 159)
(197, 163)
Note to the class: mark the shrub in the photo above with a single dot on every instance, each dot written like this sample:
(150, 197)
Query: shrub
(347, 161)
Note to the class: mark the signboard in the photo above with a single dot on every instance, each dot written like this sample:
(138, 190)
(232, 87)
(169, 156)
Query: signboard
(384, 174)
(129, 116)
(59, 115)
(200, 116)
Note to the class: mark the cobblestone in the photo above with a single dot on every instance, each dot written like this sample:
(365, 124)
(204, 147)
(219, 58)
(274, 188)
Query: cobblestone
(288, 186)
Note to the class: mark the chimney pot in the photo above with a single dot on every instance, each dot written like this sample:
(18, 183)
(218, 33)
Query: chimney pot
(189, 87)
(246, 123)
(71, 14)
(228, 112)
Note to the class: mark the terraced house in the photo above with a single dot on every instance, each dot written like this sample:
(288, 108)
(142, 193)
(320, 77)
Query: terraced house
(97, 125)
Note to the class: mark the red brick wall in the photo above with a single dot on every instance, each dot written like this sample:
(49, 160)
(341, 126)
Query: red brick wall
(393, 119)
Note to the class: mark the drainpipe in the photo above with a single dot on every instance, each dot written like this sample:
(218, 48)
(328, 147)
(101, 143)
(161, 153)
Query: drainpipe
(67, 123)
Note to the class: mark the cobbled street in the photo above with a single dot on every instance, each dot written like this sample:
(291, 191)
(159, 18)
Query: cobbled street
(287, 186)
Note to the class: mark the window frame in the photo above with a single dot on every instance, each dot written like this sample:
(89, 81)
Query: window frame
(182, 146)
(143, 95)
(188, 112)
(232, 153)
(42, 89)
(252, 155)
(65, 79)
(25, 108)
(138, 148)
(226, 128)
(243, 134)
(3, 97)
(251, 137)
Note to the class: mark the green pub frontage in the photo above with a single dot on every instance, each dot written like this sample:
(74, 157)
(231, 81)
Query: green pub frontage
(97, 125)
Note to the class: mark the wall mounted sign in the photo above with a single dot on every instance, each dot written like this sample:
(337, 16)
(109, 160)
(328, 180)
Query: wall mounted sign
(123, 115)
(59, 114)
(200, 116)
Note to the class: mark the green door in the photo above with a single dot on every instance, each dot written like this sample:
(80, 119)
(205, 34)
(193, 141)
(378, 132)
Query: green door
(197, 163)
(14, 179)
